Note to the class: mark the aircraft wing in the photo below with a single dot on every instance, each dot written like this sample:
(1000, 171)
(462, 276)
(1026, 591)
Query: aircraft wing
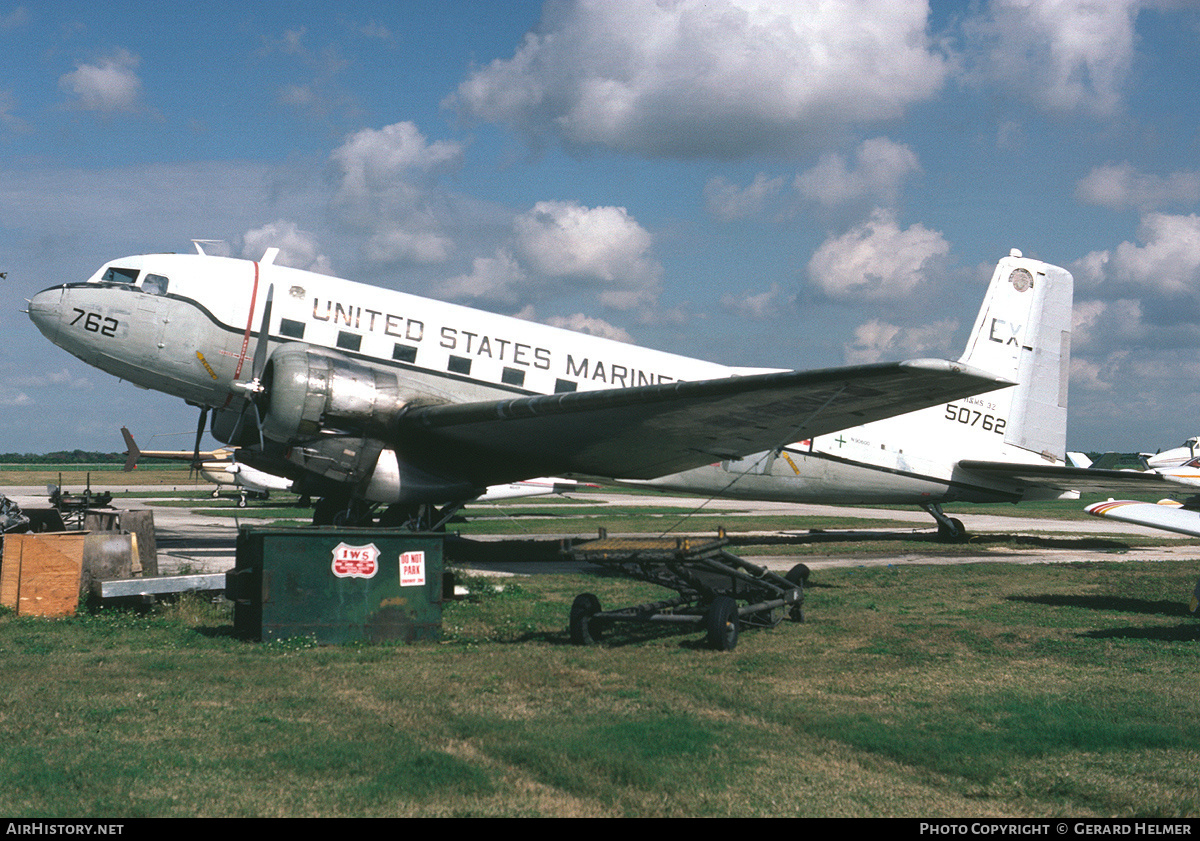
(648, 431)
(1082, 479)
(1158, 516)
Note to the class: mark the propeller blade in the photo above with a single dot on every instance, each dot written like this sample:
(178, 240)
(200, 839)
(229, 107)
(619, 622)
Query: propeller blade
(199, 435)
(260, 349)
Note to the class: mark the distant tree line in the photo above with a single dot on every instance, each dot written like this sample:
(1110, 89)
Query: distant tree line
(64, 457)
(71, 457)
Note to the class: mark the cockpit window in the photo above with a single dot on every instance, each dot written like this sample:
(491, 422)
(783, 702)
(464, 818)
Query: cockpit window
(116, 275)
(155, 284)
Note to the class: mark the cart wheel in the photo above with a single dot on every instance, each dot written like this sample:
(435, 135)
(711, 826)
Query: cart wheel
(721, 623)
(798, 574)
(583, 630)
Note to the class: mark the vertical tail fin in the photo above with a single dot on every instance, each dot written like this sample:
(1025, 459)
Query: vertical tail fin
(1023, 333)
(132, 453)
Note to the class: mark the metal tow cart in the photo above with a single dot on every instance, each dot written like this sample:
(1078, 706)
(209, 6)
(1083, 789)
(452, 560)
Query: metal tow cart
(710, 582)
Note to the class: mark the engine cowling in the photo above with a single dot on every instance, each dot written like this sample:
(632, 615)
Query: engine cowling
(307, 392)
(333, 415)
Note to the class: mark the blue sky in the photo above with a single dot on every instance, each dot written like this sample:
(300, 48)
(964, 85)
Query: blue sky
(760, 183)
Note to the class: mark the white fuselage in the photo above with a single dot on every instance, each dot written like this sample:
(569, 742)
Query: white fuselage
(198, 338)
(908, 460)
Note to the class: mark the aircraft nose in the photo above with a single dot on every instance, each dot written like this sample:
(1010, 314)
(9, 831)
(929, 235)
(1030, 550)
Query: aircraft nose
(45, 310)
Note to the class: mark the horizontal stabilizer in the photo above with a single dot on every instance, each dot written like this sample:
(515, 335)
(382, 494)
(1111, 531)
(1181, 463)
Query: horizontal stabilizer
(1082, 479)
(649, 431)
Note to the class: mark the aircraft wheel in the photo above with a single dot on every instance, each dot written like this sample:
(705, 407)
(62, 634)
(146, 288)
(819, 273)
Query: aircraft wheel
(721, 624)
(325, 510)
(241, 502)
(583, 630)
(957, 534)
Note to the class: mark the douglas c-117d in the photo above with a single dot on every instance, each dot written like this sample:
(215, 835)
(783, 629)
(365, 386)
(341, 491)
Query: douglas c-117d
(386, 403)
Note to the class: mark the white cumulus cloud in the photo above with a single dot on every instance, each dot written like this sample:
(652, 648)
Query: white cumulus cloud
(879, 340)
(581, 323)
(1121, 187)
(879, 170)
(297, 249)
(876, 260)
(721, 78)
(727, 201)
(380, 159)
(110, 86)
(602, 250)
(1064, 55)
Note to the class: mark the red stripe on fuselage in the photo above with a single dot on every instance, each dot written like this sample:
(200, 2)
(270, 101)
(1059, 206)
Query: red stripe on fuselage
(246, 336)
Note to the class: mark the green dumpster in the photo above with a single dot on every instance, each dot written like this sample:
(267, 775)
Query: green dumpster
(337, 585)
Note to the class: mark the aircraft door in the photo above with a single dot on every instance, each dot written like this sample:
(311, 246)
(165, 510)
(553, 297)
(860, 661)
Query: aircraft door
(173, 326)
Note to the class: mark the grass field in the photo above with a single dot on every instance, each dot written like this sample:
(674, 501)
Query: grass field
(107, 476)
(989, 690)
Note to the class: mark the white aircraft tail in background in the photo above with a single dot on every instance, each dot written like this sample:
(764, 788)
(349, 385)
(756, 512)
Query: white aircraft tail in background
(974, 449)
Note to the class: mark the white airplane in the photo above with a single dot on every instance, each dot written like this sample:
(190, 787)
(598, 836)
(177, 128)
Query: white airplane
(1005, 446)
(219, 466)
(1174, 457)
(368, 397)
(1166, 514)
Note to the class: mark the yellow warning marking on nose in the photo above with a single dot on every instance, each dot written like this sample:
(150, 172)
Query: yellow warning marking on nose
(207, 367)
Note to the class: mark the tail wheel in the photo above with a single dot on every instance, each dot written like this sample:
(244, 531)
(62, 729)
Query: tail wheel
(956, 533)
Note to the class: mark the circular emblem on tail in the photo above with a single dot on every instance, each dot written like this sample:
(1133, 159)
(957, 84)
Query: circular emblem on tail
(1021, 279)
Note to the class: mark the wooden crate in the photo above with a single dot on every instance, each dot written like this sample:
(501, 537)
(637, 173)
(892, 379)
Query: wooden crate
(40, 573)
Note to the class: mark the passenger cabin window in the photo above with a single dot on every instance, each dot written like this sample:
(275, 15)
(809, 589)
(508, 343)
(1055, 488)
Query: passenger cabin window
(291, 329)
(116, 275)
(155, 284)
(349, 341)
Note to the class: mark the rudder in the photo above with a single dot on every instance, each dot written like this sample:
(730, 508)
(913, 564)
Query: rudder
(1023, 333)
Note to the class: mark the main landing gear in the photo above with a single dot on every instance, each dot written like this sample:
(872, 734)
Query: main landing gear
(342, 512)
(950, 529)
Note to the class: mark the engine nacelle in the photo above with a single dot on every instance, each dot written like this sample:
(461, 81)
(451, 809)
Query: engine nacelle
(376, 472)
(308, 392)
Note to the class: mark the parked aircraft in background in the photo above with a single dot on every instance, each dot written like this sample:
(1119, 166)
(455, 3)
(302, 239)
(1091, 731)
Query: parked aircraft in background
(368, 397)
(217, 466)
(1174, 457)
(1167, 514)
(1005, 446)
